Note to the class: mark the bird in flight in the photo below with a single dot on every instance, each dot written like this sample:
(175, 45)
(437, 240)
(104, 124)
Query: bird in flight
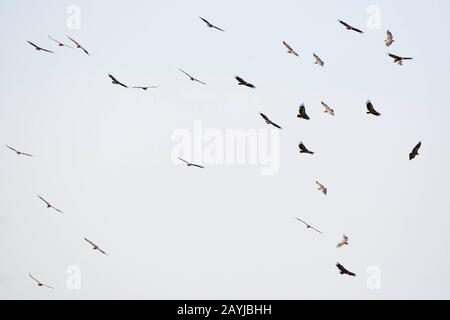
(242, 82)
(389, 38)
(318, 60)
(211, 25)
(40, 284)
(268, 121)
(49, 205)
(190, 164)
(303, 149)
(342, 270)
(349, 27)
(327, 108)
(415, 151)
(191, 77)
(397, 59)
(147, 87)
(19, 152)
(79, 46)
(60, 44)
(95, 247)
(115, 81)
(39, 48)
(371, 109)
(290, 50)
(343, 242)
(322, 188)
(302, 112)
(308, 226)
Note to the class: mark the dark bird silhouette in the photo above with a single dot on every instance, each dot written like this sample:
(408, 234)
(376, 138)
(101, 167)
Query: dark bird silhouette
(211, 25)
(290, 50)
(322, 188)
(389, 38)
(242, 82)
(147, 87)
(371, 109)
(95, 247)
(268, 121)
(190, 164)
(49, 205)
(415, 151)
(115, 81)
(39, 48)
(302, 112)
(303, 149)
(191, 77)
(349, 27)
(79, 46)
(19, 152)
(60, 44)
(308, 226)
(40, 284)
(397, 59)
(342, 270)
(318, 60)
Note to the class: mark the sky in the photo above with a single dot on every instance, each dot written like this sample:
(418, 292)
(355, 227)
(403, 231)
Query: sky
(105, 155)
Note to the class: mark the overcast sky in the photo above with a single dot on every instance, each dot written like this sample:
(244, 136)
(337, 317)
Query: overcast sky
(103, 154)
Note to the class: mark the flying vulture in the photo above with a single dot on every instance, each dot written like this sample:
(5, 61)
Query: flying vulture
(415, 151)
(211, 25)
(318, 60)
(327, 108)
(190, 164)
(79, 46)
(49, 205)
(19, 152)
(303, 149)
(95, 247)
(308, 226)
(322, 188)
(302, 112)
(371, 109)
(349, 27)
(40, 284)
(342, 270)
(147, 87)
(115, 81)
(242, 82)
(268, 121)
(191, 77)
(343, 242)
(60, 44)
(397, 59)
(290, 50)
(389, 38)
(39, 48)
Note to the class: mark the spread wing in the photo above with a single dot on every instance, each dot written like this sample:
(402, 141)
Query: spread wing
(183, 160)
(196, 165)
(287, 46)
(46, 202)
(11, 148)
(265, 117)
(33, 44)
(34, 278)
(73, 41)
(345, 24)
(394, 56)
(186, 73)
(100, 250)
(90, 242)
(357, 30)
(240, 80)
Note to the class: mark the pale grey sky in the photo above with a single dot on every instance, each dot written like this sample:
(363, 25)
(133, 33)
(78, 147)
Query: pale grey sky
(103, 153)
